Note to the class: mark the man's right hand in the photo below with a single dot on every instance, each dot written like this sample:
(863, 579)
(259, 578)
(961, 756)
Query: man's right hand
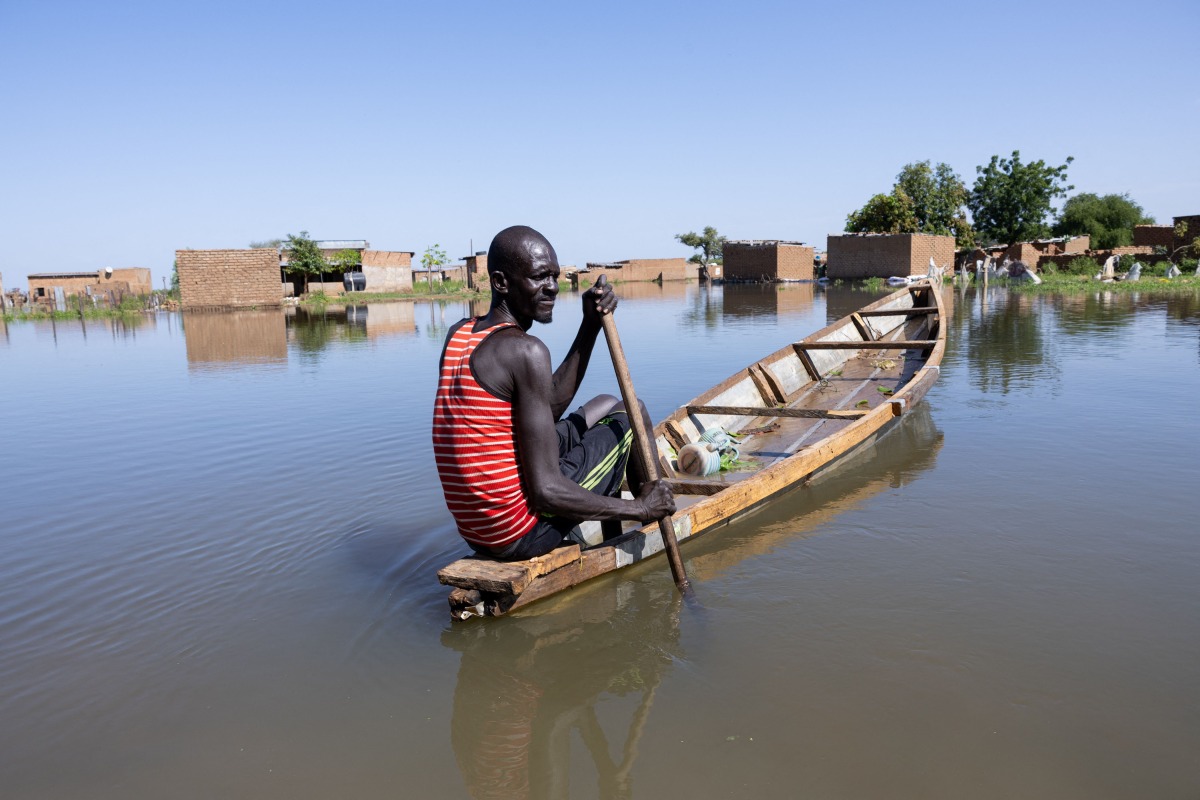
(658, 500)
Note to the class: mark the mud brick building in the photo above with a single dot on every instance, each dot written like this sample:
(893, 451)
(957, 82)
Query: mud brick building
(1153, 235)
(767, 260)
(641, 269)
(882, 255)
(130, 280)
(228, 278)
(476, 269)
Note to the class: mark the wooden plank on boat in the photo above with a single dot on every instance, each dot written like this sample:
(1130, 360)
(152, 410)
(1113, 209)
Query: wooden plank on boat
(696, 487)
(901, 344)
(505, 577)
(760, 383)
(675, 433)
(900, 312)
(778, 394)
(807, 361)
(866, 330)
(756, 411)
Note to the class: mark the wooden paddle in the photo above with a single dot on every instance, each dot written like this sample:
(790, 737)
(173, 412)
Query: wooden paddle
(645, 449)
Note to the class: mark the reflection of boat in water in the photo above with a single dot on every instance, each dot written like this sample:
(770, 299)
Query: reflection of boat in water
(527, 684)
(797, 411)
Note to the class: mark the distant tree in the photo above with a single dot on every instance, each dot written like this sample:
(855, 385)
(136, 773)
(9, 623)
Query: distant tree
(924, 199)
(709, 243)
(1011, 201)
(175, 278)
(884, 213)
(938, 198)
(1109, 220)
(347, 260)
(304, 257)
(434, 258)
(271, 243)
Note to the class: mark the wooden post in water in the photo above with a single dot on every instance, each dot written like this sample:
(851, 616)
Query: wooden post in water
(645, 450)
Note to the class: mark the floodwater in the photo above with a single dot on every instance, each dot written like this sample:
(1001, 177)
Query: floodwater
(219, 534)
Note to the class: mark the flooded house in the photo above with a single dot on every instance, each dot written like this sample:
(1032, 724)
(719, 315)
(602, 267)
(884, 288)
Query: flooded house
(258, 277)
(639, 269)
(44, 286)
(767, 260)
(883, 255)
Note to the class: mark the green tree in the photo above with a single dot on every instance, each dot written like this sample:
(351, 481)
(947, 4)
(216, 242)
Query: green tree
(884, 213)
(175, 278)
(1011, 201)
(434, 258)
(1109, 220)
(938, 198)
(304, 257)
(265, 243)
(347, 260)
(925, 199)
(709, 243)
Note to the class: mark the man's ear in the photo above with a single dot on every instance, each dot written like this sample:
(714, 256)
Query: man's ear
(499, 282)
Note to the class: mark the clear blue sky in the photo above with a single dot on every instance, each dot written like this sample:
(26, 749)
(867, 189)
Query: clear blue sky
(131, 130)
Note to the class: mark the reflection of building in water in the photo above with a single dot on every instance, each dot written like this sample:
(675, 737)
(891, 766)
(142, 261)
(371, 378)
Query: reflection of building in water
(387, 319)
(843, 300)
(769, 299)
(525, 687)
(235, 337)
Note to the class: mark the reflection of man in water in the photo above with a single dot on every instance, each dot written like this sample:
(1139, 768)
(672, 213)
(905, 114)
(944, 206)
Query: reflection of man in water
(518, 476)
(523, 689)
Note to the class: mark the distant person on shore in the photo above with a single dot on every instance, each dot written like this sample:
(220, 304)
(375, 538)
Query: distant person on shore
(518, 476)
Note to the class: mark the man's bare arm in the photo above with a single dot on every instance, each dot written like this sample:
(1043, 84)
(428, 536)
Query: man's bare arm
(597, 301)
(537, 447)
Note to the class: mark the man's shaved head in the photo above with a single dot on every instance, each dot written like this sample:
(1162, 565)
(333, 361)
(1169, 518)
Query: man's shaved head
(512, 248)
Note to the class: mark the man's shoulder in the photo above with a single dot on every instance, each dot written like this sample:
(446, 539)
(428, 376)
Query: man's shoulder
(511, 340)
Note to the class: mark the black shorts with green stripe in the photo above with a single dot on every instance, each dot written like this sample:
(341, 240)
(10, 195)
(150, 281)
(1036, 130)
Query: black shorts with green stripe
(595, 459)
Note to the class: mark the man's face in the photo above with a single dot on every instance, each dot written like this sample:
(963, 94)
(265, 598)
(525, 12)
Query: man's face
(533, 289)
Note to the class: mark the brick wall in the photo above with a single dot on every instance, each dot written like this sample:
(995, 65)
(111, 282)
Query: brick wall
(388, 279)
(1153, 235)
(853, 256)
(386, 258)
(1076, 244)
(129, 280)
(770, 261)
(1193, 231)
(642, 269)
(240, 337)
(228, 278)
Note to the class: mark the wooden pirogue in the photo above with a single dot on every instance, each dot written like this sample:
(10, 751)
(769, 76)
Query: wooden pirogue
(795, 411)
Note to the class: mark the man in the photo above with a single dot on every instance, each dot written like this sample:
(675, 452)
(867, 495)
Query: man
(518, 477)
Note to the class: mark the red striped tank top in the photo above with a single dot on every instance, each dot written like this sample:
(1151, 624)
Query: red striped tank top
(474, 446)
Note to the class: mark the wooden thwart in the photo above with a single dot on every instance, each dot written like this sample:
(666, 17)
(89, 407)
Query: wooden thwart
(755, 411)
(901, 344)
(696, 487)
(898, 312)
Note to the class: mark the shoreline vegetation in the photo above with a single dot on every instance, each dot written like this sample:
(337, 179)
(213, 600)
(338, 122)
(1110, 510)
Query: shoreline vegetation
(1052, 283)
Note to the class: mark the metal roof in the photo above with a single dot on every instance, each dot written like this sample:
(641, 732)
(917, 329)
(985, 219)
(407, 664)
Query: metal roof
(342, 244)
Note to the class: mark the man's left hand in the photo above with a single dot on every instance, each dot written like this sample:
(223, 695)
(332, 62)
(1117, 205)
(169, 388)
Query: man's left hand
(598, 301)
